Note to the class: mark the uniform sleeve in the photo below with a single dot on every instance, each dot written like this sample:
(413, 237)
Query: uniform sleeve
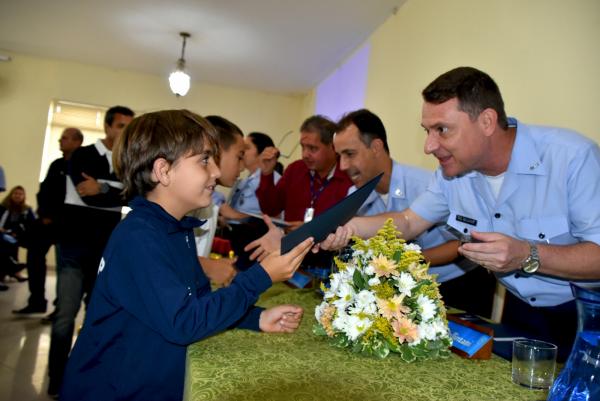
(584, 195)
(145, 280)
(432, 204)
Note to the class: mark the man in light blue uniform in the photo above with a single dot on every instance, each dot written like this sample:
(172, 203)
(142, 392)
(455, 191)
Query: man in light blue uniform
(361, 142)
(528, 194)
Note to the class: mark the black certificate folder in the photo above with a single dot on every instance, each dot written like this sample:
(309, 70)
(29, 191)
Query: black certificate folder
(328, 221)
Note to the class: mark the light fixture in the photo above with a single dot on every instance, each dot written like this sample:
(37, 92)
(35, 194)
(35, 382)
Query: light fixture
(179, 81)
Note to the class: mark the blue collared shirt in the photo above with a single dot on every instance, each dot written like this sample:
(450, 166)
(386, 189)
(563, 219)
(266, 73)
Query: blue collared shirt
(243, 198)
(406, 184)
(550, 195)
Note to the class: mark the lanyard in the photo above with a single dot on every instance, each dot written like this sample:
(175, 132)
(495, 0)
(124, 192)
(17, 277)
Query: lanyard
(314, 195)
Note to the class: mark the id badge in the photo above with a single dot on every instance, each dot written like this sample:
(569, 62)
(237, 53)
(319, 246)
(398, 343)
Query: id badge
(309, 214)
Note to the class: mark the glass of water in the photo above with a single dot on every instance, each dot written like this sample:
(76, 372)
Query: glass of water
(533, 363)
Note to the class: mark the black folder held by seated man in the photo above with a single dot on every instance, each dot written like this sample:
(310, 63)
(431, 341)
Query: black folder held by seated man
(328, 221)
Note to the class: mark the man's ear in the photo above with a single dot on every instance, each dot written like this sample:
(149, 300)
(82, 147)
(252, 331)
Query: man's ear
(160, 171)
(377, 146)
(488, 120)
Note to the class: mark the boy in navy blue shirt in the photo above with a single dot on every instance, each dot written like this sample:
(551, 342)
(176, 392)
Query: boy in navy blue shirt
(151, 298)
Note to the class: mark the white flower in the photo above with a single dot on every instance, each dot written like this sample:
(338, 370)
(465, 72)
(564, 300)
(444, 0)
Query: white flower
(364, 302)
(341, 320)
(405, 283)
(356, 326)
(334, 285)
(427, 331)
(374, 281)
(426, 308)
(412, 247)
(440, 327)
(319, 310)
(346, 295)
(370, 270)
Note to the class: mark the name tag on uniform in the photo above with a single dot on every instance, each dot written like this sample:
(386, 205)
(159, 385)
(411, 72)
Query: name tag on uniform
(466, 220)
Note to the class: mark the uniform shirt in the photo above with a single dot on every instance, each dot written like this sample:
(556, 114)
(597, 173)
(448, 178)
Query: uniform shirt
(243, 194)
(151, 300)
(406, 184)
(550, 195)
(293, 194)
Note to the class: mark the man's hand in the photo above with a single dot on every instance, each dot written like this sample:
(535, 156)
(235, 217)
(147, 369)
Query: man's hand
(281, 319)
(270, 242)
(219, 271)
(88, 187)
(293, 225)
(338, 239)
(268, 159)
(496, 252)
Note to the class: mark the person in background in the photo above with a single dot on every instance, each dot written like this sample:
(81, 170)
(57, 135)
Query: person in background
(42, 233)
(16, 217)
(526, 194)
(92, 209)
(230, 140)
(243, 201)
(361, 142)
(152, 298)
(3, 287)
(309, 186)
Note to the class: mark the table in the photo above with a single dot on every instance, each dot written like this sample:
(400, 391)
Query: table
(245, 365)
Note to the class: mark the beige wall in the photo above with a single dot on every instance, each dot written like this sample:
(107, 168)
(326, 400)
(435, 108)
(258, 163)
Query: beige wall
(544, 55)
(28, 84)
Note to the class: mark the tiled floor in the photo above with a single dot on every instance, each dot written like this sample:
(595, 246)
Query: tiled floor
(24, 345)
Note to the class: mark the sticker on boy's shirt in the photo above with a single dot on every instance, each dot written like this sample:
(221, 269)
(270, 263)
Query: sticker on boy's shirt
(101, 267)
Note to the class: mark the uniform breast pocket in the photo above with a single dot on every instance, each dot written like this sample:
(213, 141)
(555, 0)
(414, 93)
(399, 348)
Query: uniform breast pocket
(546, 229)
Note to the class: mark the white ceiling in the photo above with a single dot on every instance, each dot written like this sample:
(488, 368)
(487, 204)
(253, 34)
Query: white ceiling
(284, 46)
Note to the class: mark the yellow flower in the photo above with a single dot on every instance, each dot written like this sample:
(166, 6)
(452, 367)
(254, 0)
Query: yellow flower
(383, 266)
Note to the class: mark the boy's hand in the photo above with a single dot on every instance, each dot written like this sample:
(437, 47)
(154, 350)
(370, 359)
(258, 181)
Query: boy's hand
(282, 267)
(281, 319)
(219, 271)
(270, 242)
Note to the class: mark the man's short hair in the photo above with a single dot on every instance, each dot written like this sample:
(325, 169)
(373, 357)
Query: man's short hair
(168, 134)
(474, 89)
(369, 126)
(226, 131)
(75, 133)
(261, 141)
(320, 125)
(109, 117)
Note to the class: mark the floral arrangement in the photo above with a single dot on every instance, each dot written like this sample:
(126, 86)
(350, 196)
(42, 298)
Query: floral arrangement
(382, 300)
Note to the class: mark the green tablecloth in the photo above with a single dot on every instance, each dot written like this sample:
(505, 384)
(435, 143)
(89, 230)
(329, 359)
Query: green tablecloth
(245, 365)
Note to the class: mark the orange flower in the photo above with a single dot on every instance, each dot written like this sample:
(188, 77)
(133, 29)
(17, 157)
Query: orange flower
(390, 308)
(383, 266)
(404, 329)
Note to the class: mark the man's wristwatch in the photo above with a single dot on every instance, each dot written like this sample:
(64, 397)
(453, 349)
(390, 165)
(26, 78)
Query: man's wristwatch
(104, 188)
(532, 263)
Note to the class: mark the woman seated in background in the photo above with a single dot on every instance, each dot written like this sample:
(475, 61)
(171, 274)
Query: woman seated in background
(243, 195)
(15, 218)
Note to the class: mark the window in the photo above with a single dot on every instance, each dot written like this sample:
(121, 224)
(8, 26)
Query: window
(63, 114)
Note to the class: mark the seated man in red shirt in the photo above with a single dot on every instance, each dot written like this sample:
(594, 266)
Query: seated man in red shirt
(309, 186)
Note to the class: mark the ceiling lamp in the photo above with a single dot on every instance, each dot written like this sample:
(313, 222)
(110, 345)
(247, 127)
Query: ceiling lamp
(179, 81)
